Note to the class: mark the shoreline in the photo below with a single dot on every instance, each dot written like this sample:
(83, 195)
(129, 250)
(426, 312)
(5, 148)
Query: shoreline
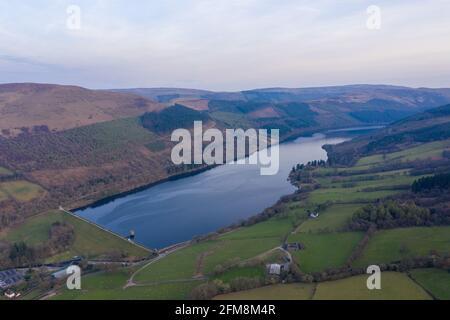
(289, 138)
(108, 199)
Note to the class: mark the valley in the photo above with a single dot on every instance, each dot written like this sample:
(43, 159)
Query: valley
(334, 248)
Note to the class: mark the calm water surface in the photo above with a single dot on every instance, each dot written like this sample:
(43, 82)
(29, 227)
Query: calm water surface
(176, 211)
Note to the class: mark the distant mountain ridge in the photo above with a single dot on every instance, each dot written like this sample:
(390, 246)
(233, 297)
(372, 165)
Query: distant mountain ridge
(351, 92)
(335, 105)
(32, 107)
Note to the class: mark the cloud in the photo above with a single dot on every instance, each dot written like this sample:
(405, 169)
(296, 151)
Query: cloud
(227, 44)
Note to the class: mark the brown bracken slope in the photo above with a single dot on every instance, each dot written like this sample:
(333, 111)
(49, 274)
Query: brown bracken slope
(28, 107)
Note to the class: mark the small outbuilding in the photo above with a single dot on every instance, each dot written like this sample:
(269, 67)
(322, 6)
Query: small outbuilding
(294, 246)
(275, 269)
(314, 215)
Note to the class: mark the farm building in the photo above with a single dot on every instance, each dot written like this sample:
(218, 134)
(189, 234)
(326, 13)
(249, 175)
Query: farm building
(275, 269)
(293, 246)
(314, 215)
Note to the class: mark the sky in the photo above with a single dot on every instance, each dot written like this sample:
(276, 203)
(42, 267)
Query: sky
(225, 45)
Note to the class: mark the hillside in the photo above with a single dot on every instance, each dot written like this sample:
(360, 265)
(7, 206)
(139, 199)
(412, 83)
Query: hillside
(73, 146)
(431, 125)
(410, 228)
(410, 241)
(30, 107)
(337, 106)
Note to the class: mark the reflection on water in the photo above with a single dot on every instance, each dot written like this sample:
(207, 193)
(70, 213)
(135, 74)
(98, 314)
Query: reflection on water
(176, 211)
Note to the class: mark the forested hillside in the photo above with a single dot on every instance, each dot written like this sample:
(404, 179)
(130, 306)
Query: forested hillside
(431, 125)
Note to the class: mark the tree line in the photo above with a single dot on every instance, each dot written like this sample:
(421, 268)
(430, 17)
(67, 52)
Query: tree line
(393, 214)
(438, 181)
(61, 237)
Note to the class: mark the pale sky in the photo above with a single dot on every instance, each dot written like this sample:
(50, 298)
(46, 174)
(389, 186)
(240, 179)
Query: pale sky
(225, 44)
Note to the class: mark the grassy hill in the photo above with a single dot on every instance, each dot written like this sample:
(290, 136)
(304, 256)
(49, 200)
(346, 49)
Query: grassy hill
(90, 242)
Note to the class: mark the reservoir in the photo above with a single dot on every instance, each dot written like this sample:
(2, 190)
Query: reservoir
(176, 211)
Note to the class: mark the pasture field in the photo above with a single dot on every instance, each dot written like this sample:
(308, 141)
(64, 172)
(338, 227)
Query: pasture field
(293, 291)
(366, 180)
(436, 281)
(22, 191)
(333, 218)
(230, 251)
(110, 286)
(348, 195)
(203, 258)
(34, 230)
(90, 241)
(359, 187)
(394, 286)
(273, 228)
(384, 181)
(424, 151)
(248, 272)
(246, 243)
(324, 250)
(178, 265)
(396, 244)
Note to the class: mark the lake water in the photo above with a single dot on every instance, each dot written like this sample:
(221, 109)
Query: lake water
(176, 211)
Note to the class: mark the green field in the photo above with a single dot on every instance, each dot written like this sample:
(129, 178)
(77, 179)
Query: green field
(396, 244)
(231, 248)
(90, 241)
(239, 250)
(178, 265)
(394, 286)
(110, 286)
(348, 195)
(273, 228)
(424, 151)
(22, 191)
(294, 291)
(333, 218)
(247, 272)
(326, 250)
(435, 281)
